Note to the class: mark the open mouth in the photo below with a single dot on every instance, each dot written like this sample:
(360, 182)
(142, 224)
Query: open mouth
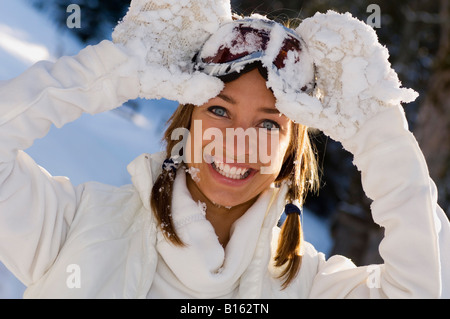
(231, 172)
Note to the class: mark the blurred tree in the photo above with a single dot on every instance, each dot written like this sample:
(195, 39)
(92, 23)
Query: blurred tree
(433, 120)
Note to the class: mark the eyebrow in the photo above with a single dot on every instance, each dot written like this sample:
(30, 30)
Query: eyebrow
(230, 100)
(227, 98)
(269, 110)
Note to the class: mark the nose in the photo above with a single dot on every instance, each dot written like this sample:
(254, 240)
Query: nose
(240, 144)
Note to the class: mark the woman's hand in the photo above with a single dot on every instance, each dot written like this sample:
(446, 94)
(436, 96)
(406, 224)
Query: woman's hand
(354, 79)
(164, 36)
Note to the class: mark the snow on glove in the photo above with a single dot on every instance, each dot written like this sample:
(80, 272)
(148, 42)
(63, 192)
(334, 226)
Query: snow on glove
(354, 79)
(164, 36)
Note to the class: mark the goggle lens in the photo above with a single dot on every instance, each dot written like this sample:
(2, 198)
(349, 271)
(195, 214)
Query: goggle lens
(248, 40)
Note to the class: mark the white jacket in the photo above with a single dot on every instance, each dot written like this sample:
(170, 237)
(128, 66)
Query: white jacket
(48, 226)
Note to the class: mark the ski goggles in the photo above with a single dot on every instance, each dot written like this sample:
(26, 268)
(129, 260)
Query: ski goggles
(240, 43)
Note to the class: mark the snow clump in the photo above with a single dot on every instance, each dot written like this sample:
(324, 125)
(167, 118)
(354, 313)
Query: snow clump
(354, 79)
(164, 35)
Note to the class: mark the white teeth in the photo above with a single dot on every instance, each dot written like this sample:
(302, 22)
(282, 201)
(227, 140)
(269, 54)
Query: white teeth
(230, 172)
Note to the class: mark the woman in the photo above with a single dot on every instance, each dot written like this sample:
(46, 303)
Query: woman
(205, 226)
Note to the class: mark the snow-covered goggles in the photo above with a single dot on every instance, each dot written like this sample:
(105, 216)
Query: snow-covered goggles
(240, 43)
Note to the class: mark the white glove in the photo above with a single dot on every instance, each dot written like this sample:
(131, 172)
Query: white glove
(354, 79)
(164, 35)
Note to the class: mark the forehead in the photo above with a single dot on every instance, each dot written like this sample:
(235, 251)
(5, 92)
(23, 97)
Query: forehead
(251, 88)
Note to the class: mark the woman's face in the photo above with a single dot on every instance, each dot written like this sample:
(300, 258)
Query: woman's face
(237, 143)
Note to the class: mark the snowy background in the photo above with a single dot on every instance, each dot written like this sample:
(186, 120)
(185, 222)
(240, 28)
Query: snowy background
(93, 147)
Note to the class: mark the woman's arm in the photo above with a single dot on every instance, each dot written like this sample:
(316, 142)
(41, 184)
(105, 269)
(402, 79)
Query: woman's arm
(36, 209)
(415, 248)
(359, 105)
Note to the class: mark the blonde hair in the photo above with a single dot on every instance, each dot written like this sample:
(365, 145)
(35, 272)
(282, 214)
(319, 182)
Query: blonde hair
(299, 171)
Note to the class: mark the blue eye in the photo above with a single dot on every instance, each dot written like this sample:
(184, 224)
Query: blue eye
(270, 125)
(218, 110)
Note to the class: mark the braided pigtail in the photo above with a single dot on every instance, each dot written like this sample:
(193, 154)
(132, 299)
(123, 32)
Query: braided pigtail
(291, 238)
(300, 174)
(161, 200)
(161, 195)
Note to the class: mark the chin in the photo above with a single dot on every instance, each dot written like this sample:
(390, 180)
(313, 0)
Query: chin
(226, 200)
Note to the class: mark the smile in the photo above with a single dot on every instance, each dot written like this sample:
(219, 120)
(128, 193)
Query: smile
(231, 172)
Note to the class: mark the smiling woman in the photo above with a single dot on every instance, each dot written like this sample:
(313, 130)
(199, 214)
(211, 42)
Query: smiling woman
(249, 92)
(230, 187)
(207, 226)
